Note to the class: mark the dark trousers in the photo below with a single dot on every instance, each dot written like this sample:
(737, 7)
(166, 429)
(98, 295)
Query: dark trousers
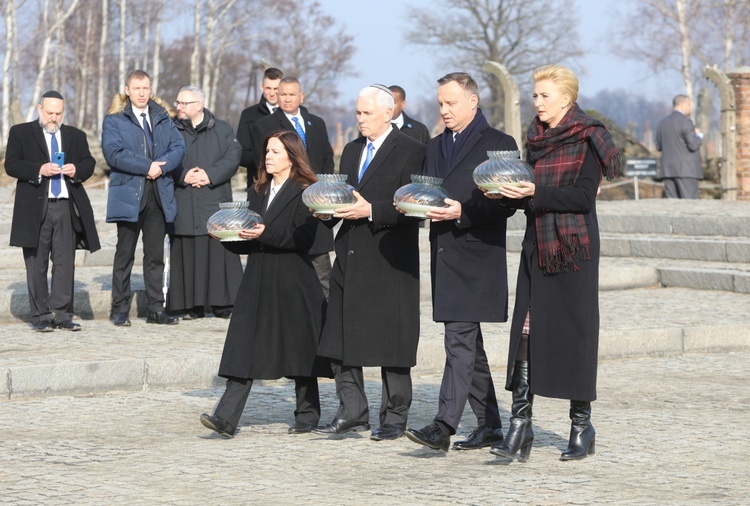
(466, 377)
(322, 264)
(151, 222)
(233, 401)
(57, 240)
(681, 188)
(395, 398)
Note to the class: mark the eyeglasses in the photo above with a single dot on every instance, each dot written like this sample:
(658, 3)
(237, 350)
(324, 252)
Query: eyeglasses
(184, 104)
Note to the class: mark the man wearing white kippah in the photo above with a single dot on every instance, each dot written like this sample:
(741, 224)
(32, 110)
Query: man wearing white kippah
(373, 307)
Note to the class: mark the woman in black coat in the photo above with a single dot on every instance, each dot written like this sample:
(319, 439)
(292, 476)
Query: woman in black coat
(278, 314)
(555, 330)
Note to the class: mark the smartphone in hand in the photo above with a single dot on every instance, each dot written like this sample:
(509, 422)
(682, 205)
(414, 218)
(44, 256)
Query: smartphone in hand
(59, 158)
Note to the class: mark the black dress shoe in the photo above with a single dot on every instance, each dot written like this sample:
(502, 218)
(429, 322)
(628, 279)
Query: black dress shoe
(480, 437)
(223, 313)
(339, 426)
(387, 431)
(430, 435)
(218, 424)
(67, 325)
(300, 428)
(194, 314)
(121, 320)
(43, 327)
(162, 318)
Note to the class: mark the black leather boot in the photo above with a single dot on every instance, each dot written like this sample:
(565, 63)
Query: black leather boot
(520, 436)
(582, 442)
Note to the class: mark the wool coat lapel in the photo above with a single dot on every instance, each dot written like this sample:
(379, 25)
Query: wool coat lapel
(380, 155)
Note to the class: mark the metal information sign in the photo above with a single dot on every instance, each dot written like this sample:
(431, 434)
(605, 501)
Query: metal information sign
(641, 167)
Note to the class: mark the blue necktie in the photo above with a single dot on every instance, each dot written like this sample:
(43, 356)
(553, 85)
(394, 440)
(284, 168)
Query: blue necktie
(56, 180)
(368, 159)
(149, 135)
(300, 132)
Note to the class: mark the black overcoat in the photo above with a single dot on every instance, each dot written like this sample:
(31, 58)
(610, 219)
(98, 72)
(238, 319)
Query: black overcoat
(564, 324)
(468, 262)
(319, 153)
(373, 305)
(415, 129)
(278, 314)
(27, 151)
(249, 116)
(214, 148)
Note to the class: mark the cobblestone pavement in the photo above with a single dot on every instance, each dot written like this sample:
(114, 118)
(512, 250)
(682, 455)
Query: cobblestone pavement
(671, 430)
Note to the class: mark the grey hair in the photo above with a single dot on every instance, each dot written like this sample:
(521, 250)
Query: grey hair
(383, 96)
(195, 90)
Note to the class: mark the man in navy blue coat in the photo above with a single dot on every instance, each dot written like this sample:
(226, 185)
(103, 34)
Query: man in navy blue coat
(142, 146)
(468, 265)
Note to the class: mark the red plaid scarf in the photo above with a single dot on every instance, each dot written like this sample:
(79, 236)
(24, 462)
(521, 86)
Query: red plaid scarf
(557, 155)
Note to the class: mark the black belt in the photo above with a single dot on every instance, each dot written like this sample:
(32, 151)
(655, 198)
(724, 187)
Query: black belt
(56, 199)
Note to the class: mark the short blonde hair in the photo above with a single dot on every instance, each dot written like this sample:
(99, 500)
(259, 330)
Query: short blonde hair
(562, 76)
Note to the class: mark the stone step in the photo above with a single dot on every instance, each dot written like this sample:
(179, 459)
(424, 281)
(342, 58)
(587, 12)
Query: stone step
(711, 249)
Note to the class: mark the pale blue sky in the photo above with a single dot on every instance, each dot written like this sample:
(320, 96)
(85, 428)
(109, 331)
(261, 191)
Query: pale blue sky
(390, 61)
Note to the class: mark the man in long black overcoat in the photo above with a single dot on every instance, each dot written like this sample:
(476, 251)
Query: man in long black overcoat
(52, 214)
(373, 308)
(268, 103)
(468, 265)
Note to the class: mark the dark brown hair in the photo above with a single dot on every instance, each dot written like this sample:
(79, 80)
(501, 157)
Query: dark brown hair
(463, 79)
(272, 73)
(301, 171)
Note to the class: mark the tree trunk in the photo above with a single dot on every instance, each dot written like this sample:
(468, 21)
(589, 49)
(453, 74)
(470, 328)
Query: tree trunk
(729, 34)
(123, 58)
(157, 46)
(10, 51)
(83, 93)
(195, 58)
(101, 89)
(685, 48)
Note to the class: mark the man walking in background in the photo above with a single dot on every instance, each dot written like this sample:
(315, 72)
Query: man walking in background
(679, 141)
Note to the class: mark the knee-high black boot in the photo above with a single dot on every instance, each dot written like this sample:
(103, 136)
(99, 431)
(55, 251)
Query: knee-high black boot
(520, 436)
(582, 441)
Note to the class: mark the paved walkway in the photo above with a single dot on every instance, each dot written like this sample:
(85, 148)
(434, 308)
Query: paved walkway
(670, 430)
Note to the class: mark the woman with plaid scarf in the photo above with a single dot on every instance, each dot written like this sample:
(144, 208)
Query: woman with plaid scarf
(555, 329)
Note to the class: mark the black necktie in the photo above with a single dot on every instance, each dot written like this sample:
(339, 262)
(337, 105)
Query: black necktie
(149, 136)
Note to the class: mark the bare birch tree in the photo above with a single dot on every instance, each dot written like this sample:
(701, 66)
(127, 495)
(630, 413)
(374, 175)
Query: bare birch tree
(102, 73)
(663, 34)
(123, 58)
(9, 9)
(62, 13)
(310, 45)
(519, 34)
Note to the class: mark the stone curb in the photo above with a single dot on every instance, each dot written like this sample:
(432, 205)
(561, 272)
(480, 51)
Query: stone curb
(199, 370)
